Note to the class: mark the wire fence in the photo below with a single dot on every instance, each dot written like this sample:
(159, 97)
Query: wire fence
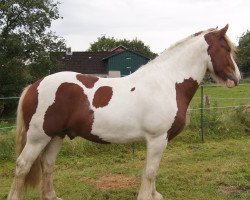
(221, 101)
(198, 104)
(219, 107)
(7, 127)
(6, 98)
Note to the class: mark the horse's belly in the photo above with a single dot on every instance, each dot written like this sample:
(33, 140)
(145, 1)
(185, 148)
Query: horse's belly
(119, 137)
(117, 129)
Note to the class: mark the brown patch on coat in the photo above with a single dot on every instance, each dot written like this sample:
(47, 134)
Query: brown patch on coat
(102, 96)
(30, 102)
(70, 114)
(184, 93)
(198, 33)
(132, 89)
(220, 49)
(87, 80)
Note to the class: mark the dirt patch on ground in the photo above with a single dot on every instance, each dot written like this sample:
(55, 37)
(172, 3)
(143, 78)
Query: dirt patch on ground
(232, 189)
(247, 109)
(113, 181)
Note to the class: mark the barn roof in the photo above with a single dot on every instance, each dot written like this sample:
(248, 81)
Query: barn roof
(91, 62)
(116, 53)
(86, 62)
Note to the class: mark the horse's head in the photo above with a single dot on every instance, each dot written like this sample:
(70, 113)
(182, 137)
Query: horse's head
(221, 63)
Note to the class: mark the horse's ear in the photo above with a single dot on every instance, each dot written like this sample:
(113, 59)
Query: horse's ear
(222, 32)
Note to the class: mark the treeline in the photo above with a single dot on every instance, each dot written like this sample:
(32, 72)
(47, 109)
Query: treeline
(26, 45)
(243, 54)
(25, 42)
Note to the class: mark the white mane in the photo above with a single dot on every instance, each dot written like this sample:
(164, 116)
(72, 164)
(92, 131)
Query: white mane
(185, 40)
(179, 44)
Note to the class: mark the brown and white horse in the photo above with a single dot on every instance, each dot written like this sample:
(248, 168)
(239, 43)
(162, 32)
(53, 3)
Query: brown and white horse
(150, 105)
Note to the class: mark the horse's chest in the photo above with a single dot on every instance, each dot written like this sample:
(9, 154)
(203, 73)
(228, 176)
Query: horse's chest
(179, 120)
(184, 93)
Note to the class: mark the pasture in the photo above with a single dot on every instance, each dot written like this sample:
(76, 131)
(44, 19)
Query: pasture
(217, 169)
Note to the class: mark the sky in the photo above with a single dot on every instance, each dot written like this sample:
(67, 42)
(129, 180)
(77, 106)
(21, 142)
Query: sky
(158, 23)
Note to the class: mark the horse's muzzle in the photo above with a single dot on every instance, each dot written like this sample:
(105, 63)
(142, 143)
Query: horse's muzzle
(232, 81)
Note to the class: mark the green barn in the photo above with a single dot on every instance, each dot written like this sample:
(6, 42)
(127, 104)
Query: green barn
(115, 63)
(125, 62)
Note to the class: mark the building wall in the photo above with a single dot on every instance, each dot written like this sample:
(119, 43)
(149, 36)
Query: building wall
(126, 62)
(114, 74)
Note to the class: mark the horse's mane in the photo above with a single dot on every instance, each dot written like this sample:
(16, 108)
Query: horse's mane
(183, 41)
(231, 45)
(167, 51)
(180, 42)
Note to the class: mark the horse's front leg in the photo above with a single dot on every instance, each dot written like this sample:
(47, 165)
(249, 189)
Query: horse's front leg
(155, 148)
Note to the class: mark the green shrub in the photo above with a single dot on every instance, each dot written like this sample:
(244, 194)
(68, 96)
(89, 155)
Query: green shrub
(7, 146)
(242, 116)
(220, 123)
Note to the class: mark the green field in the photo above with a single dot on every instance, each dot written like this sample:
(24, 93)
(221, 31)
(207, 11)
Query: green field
(219, 95)
(215, 170)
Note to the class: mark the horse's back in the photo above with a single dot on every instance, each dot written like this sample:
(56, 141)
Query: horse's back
(116, 110)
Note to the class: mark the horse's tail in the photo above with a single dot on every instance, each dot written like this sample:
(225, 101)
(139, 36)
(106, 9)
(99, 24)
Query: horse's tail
(33, 178)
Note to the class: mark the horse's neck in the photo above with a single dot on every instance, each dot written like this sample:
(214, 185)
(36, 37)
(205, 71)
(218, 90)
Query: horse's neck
(177, 64)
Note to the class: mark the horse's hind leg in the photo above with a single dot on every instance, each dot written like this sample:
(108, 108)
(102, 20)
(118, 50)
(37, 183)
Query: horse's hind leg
(155, 148)
(48, 160)
(30, 153)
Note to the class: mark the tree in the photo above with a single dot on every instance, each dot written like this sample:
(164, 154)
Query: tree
(107, 43)
(243, 53)
(26, 42)
(103, 44)
(48, 57)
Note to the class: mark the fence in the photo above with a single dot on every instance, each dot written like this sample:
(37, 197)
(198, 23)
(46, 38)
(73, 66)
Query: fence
(203, 99)
(198, 107)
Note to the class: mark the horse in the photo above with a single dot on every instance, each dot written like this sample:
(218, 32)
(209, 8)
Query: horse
(150, 104)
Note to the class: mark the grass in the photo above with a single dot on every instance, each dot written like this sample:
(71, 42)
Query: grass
(189, 170)
(215, 170)
(216, 94)
(226, 121)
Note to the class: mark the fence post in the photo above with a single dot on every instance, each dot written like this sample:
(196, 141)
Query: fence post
(202, 110)
(133, 148)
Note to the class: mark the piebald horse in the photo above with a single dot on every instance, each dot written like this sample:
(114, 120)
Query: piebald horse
(150, 105)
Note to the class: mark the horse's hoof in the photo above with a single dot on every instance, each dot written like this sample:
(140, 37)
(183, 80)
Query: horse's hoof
(53, 198)
(157, 196)
(145, 198)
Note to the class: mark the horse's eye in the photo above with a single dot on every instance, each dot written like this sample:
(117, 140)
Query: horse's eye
(227, 49)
